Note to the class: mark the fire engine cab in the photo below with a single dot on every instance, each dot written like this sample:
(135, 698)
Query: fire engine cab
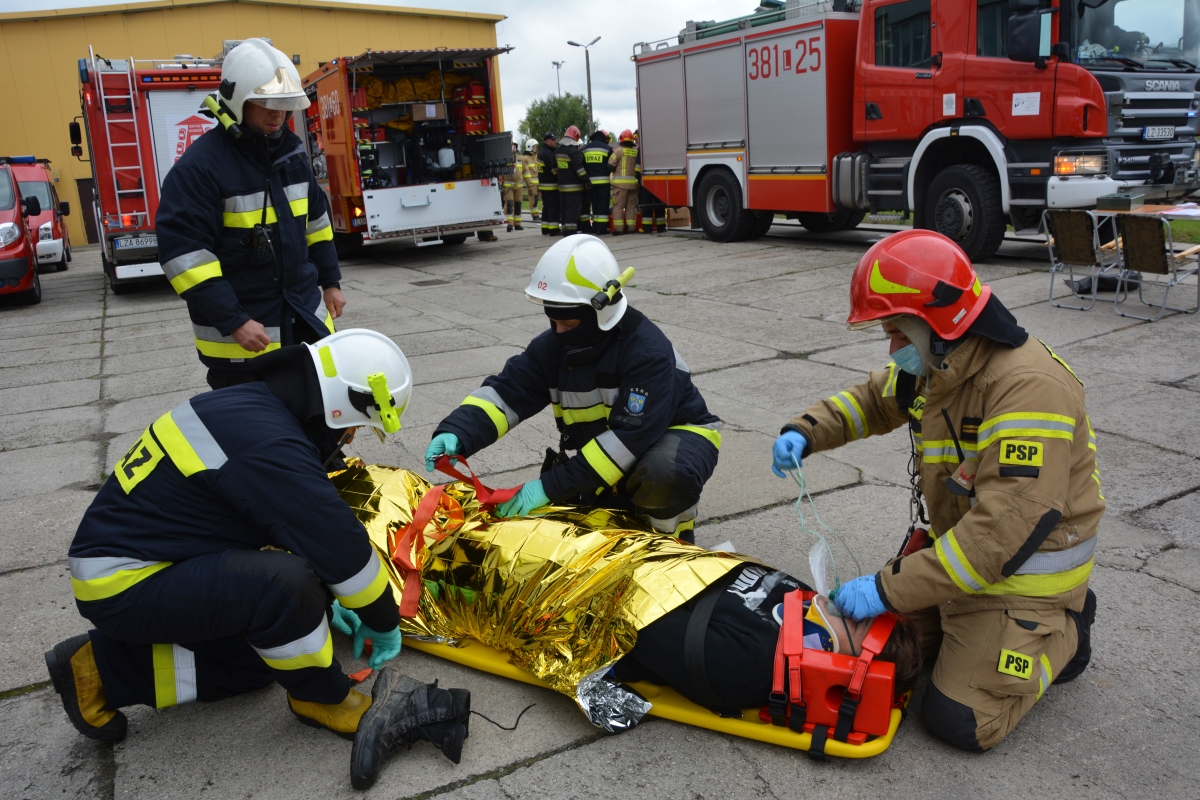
(968, 114)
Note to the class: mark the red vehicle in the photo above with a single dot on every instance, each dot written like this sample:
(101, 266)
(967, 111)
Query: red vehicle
(139, 118)
(970, 114)
(53, 240)
(18, 256)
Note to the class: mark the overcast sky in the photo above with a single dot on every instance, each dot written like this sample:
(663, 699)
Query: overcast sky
(539, 33)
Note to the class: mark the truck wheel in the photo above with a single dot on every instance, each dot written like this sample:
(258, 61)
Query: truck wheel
(348, 245)
(34, 295)
(62, 264)
(457, 238)
(762, 223)
(719, 206)
(963, 203)
(817, 222)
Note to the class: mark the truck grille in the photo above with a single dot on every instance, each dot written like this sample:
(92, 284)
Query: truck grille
(1147, 109)
(1132, 162)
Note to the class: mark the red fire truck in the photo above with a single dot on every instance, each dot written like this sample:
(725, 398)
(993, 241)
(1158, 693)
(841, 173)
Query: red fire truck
(969, 114)
(139, 117)
(403, 143)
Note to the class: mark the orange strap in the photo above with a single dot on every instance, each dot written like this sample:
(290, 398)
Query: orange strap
(486, 496)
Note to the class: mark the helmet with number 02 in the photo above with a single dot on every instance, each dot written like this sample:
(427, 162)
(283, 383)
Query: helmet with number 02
(256, 72)
(572, 272)
(921, 273)
(365, 379)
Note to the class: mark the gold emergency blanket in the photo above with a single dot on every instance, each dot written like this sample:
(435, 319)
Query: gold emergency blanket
(563, 593)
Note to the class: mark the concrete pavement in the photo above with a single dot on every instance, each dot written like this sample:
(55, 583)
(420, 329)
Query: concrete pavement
(762, 326)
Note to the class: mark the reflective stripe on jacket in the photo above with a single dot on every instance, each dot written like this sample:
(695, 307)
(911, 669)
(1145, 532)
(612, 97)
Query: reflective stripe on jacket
(626, 167)
(212, 199)
(571, 175)
(547, 169)
(595, 162)
(1025, 540)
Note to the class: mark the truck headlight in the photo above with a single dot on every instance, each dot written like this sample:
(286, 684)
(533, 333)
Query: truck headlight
(8, 234)
(1081, 164)
(45, 231)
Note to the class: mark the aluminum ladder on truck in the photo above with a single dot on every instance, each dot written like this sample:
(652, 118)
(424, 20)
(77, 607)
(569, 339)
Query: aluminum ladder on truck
(115, 94)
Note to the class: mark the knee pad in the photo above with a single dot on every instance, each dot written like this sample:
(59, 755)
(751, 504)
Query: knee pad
(949, 720)
(1083, 651)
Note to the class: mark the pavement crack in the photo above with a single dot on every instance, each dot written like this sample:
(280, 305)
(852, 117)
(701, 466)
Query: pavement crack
(20, 690)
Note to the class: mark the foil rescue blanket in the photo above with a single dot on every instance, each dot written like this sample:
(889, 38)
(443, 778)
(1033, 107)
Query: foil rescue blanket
(563, 593)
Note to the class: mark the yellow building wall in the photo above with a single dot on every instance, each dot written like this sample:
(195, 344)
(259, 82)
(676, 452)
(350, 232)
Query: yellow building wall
(39, 75)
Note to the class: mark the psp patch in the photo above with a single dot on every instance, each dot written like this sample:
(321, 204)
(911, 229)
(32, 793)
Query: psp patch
(1018, 453)
(635, 404)
(1016, 664)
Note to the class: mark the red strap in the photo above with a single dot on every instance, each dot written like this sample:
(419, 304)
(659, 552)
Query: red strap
(874, 642)
(793, 641)
(402, 555)
(486, 496)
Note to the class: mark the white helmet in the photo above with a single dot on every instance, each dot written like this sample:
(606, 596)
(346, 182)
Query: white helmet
(256, 71)
(365, 379)
(580, 270)
(531, 145)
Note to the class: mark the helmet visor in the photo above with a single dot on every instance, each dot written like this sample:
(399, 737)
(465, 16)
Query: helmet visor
(283, 92)
(281, 103)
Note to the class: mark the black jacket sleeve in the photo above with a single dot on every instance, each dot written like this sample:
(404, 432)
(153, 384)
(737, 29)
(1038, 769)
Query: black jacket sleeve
(319, 235)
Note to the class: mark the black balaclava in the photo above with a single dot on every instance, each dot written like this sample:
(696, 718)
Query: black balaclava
(585, 342)
(291, 375)
(997, 323)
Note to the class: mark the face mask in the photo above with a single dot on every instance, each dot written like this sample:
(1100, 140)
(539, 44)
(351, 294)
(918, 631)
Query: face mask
(908, 359)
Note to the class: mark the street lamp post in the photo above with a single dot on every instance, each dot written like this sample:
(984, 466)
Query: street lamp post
(558, 74)
(587, 57)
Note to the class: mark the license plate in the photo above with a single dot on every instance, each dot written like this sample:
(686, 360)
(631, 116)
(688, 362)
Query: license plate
(1158, 132)
(136, 243)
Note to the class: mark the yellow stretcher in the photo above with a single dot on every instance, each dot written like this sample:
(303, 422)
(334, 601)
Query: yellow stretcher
(666, 703)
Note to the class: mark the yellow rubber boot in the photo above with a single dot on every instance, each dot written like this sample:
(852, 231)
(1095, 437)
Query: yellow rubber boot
(341, 718)
(76, 678)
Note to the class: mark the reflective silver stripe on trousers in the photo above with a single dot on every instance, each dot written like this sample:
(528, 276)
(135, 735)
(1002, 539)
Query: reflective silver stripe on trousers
(616, 450)
(89, 569)
(198, 436)
(680, 364)
(317, 224)
(490, 395)
(1060, 560)
(587, 399)
(181, 264)
(295, 191)
(360, 580)
(669, 525)
(305, 645)
(207, 334)
(185, 674)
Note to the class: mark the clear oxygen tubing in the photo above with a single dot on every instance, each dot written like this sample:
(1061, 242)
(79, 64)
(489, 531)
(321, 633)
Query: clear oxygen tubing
(798, 477)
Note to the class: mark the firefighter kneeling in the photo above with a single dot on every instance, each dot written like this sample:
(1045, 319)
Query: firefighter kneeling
(209, 558)
(622, 396)
(1006, 460)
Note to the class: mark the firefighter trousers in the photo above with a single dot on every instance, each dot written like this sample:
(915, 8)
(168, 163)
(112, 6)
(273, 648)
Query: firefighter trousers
(993, 666)
(585, 210)
(569, 205)
(549, 210)
(624, 209)
(532, 194)
(513, 198)
(601, 207)
(214, 626)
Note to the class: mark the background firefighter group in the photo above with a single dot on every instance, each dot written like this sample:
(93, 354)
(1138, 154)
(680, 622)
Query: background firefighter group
(592, 188)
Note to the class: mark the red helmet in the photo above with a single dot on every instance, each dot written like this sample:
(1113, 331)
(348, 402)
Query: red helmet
(572, 133)
(626, 136)
(917, 272)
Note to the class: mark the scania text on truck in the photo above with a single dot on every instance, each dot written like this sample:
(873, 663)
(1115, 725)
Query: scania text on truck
(968, 114)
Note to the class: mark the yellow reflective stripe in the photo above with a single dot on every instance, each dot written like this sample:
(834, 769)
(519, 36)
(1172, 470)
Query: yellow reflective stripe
(299, 207)
(1025, 423)
(370, 593)
(164, 675)
(956, 564)
(195, 276)
(889, 386)
(557, 409)
(321, 658)
(230, 349)
(713, 436)
(492, 410)
(185, 457)
(1096, 478)
(855, 420)
(111, 585)
(943, 451)
(1057, 358)
(1046, 678)
(599, 461)
(1091, 434)
(323, 235)
(1043, 585)
(590, 414)
(248, 219)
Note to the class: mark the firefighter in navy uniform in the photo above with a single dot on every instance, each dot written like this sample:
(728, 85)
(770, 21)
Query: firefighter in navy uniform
(622, 396)
(599, 172)
(209, 558)
(547, 167)
(572, 181)
(243, 229)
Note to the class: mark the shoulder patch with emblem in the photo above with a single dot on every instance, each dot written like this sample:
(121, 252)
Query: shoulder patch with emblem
(636, 402)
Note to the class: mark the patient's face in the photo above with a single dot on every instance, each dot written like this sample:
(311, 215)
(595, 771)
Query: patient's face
(857, 630)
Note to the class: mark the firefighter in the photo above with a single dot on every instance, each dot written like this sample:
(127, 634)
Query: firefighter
(547, 167)
(622, 396)
(627, 168)
(595, 160)
(572, 180)
(243, 228)
(1005, 459)
(209, 558)
(529, 174)
(513, 184)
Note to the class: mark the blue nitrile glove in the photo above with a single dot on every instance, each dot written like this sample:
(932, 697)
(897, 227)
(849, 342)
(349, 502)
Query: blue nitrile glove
(384, 646)
(344, 619)
(444, 444)
(790, 444)
(859, 599)
(531, 497)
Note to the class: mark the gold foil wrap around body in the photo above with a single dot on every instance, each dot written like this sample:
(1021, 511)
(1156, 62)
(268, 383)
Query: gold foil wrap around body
(564, 593)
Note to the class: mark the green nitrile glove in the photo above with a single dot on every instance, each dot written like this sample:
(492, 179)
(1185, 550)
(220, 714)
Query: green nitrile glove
(444, 444)
(384, 646)
(344, 619)
(531, 497)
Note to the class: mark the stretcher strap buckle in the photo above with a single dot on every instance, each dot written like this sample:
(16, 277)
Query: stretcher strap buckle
(777, 708)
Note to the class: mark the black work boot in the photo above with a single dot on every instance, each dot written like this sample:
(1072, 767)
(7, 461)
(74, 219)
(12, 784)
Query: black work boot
(404, 711)
(75, 677)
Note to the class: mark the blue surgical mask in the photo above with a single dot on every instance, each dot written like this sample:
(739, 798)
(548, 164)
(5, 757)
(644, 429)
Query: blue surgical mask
(909, 360)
